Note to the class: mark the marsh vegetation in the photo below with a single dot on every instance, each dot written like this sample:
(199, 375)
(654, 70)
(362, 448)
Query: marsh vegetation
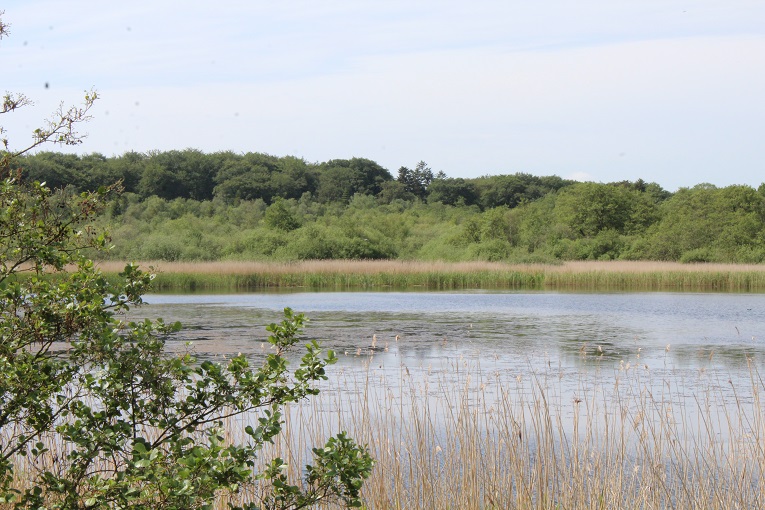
(465, 438)
(375, 275)
(528, 409)
(191, 206)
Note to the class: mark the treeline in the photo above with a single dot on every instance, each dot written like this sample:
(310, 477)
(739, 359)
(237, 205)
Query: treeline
(355, 209)
(232, 177)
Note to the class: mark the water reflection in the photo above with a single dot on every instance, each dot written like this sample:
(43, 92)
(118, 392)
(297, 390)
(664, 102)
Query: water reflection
(579, 336)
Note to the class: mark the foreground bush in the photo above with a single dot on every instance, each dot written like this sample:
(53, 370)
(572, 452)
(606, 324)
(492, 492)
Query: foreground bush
(93, 414)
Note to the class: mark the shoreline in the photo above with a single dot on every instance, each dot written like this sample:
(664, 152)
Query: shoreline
(367, 275)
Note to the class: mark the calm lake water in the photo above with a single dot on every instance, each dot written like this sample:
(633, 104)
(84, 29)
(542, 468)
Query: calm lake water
(692, 358)
(509, 330)
(685, 367)
(699, 339)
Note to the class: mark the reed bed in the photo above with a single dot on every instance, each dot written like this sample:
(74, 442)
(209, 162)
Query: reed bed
(362, 274)
(462, 438)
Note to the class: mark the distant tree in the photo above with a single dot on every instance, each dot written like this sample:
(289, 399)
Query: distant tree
(337, 184)
(262, 176)
(587, 209)
(279, 217)
(128, 168)
(56, 169)
(727, 223)
(159, 181)
(651, 188)
(452, 191)
(246, 177)
(394, 190)
(178, 174)
(638, 185)
(533, 223)
(495, 224)
(515, 189)
(292, 178)
(340, 179)
(416, 181)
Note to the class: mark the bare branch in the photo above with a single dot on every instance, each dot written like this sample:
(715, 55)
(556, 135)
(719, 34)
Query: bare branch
(61, 127)
(14, 101)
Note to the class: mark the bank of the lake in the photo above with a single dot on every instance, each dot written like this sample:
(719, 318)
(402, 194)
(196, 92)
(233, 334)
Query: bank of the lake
(377, 275)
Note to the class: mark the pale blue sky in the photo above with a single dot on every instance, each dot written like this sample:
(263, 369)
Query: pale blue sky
(668, 91)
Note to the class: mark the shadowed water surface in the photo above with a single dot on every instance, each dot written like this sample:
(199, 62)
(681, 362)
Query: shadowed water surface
(508, 330)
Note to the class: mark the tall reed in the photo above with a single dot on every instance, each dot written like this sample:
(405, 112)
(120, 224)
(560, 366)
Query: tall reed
(471, 439)
(355, 274)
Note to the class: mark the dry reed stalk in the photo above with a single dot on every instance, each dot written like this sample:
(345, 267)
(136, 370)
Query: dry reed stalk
(322, 267)
(645, 266)
(462, 438)
(417, 267)
(472, 441)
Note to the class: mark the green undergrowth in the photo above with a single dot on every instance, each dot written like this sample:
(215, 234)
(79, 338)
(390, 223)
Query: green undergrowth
(701, 281)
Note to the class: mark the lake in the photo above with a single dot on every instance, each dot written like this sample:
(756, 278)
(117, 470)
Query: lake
(509, 330)
(700, 340)
(614, 400)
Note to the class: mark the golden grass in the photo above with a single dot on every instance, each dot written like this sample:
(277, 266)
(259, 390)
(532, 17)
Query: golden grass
(630, 266)
(470, 440)
(342, 274)
(416, 267)
(465, 439)
(322, 267)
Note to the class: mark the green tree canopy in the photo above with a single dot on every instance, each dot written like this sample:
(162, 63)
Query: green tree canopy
(716, 223)
(340, 179)
(416, 181)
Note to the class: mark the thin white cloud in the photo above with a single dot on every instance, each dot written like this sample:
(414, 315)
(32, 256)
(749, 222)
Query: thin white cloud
(668, 92)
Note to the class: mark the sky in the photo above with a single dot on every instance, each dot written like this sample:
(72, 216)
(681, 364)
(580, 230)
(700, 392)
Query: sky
(668, 91)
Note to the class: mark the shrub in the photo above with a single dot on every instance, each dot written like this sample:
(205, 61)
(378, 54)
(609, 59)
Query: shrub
(279, 217)
(93, 412)
(698, 255)
(140, 429)
(494, 250)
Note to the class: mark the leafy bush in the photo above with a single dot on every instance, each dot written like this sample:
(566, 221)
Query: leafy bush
(279, 217)
(606, 245)
(120, 423)
(494, 250)
(93, 412)
(311, 243)
(698, 255)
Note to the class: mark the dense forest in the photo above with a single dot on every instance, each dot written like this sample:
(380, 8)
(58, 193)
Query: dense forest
(188, 205)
